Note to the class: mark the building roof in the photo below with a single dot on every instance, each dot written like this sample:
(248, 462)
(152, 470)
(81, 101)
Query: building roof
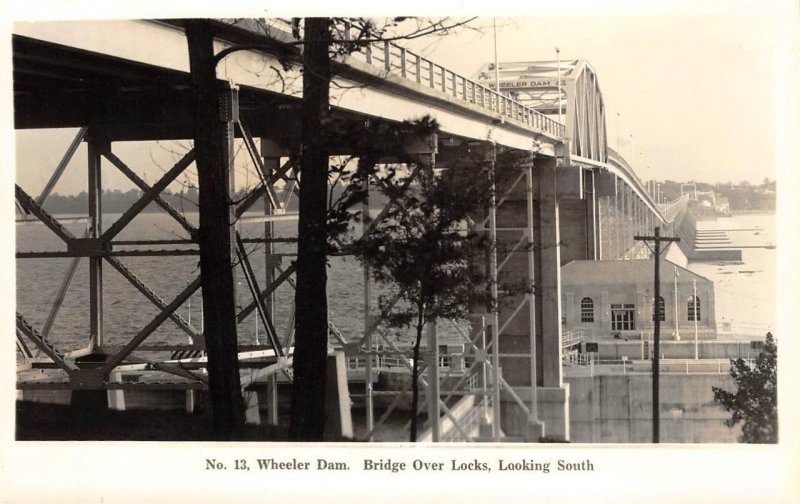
(623, 272)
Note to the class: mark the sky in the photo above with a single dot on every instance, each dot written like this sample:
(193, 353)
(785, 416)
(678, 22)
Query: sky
(689, 88)
(693, 94)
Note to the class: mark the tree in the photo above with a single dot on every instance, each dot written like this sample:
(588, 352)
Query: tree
(323, 40)
(756, 398)
(214, 235)
(311, 329)
(423, 249)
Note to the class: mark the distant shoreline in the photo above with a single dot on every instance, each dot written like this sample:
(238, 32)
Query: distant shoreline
(751, 212)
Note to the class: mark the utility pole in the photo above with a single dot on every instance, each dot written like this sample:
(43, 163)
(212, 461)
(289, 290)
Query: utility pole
(657, 239)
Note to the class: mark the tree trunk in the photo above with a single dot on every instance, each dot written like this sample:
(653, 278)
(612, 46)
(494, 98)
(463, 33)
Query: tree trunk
(311, 327)
(415, 375)
(219, 311)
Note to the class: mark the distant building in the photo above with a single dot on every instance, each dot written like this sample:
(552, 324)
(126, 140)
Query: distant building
(614, 299)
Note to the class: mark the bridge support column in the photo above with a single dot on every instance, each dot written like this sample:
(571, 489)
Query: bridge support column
(640, 215)
(623, 218)
(629, 220)
(549, 263)
(604, 193)
(617, 218)
(643, 220)
(554, 410)
(271, 165)
(594, 228)
(530, 324)
(95, 148)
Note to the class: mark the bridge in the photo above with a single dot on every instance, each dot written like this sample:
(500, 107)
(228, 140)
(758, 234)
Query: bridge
(128, 81)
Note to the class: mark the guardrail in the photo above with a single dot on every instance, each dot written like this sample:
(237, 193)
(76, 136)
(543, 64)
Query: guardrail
(617, 158)
(571, 338)
(388, 362)
(672, 209)
(400, 62)
(604, 367)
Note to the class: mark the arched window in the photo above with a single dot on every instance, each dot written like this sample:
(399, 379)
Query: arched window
(693, 308)
(661, 310)
(587, 310)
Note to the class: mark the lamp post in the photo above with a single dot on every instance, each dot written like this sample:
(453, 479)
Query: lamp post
(496, 62)
(558, 77)
(633, 152)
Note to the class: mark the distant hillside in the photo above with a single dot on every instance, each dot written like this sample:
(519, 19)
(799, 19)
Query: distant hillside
(741, 196)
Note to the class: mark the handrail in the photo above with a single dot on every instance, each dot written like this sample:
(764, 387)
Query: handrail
(668, 212)
(672, 209)
(397, 61)
(639, 366)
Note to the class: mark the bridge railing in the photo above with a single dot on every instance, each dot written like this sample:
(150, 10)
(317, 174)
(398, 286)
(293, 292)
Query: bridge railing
(617, 157)
(672, 209)
(571, 338)
(400, 62)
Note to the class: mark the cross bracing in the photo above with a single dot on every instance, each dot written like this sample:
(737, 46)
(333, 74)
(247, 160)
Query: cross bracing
(63, 78)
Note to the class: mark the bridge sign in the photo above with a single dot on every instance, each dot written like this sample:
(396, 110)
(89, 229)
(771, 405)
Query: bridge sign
(522, 84)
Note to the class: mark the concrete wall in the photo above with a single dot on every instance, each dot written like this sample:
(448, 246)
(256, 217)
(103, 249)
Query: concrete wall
(618, 409)
(686, 229)
(572, 221)
(683, 349)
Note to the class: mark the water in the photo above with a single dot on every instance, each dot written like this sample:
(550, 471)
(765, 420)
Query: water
(745, 292)
(126, 310)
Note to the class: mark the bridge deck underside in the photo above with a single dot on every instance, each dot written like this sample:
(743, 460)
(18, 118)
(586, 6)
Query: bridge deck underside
(67, 77)
(62, 87)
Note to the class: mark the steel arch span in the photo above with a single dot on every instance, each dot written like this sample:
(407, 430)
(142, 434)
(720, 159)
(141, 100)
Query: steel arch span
(568, 89)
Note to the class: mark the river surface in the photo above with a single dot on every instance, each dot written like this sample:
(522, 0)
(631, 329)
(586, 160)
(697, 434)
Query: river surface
(745, 292)
(126, 310)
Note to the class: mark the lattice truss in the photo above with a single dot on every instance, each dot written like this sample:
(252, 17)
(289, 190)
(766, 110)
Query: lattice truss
(101, 246)
(478, 381)
(536, 84)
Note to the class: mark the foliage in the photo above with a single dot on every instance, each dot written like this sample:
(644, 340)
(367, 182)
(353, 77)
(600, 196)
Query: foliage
(324, 42)
(369, 142)
(424, 249)
(755, 401)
